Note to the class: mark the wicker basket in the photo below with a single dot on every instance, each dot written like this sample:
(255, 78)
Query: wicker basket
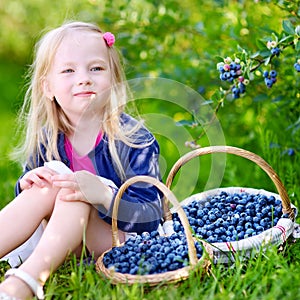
(162, 278)
(226, 251)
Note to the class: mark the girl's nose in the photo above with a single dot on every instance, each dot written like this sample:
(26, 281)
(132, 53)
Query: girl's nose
(84, 79)
(85, 82)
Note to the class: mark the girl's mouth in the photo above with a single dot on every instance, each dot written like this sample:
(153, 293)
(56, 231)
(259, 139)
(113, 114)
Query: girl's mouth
(86, 94)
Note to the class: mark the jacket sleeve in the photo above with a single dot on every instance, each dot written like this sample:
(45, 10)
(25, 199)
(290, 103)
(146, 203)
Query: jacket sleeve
(141, 206)
(17, 186)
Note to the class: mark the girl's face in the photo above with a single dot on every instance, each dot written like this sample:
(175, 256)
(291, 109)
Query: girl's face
(80, 74)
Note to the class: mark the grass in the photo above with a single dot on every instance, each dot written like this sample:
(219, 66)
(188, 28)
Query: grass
(268, 275)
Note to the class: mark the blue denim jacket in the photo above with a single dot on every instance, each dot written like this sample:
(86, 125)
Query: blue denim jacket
(141, 205)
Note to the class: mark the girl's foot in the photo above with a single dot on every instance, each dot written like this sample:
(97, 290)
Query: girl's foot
(21, 285)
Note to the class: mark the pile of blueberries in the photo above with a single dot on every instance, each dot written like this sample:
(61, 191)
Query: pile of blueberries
(232, 72)
(150, 253)
(270, 78)
(228, 72)
(238, 89)
(230, 217)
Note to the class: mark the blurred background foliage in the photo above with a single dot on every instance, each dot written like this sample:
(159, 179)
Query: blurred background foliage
(181, 41)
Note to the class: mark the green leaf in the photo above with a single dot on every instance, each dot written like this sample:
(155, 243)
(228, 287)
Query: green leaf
(254, 55)
(297, 46)
(220, 58)
(267, 60)
(288, 27)
(260, 98)
(275, 37)
(286, 39)
(240, 49)
(261, 44)
(264, 53)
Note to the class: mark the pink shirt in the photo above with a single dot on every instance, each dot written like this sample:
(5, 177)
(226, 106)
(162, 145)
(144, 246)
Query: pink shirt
(78, 162)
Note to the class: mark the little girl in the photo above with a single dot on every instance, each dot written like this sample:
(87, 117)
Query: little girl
(74, 113)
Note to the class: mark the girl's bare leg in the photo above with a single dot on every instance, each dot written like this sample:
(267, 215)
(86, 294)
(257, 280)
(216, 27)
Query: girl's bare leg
(20, 218)
(63, 234)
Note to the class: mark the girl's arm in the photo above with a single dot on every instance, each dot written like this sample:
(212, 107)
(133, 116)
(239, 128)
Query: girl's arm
(140, 209)
(141, 206)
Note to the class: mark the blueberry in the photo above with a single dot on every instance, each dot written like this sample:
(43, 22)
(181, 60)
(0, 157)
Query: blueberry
(212, 217)
(228, 233)
(221, 69)
(249, 231)
(256, 219)
(218, 231)
(228, 239)
(248, 225)
(133, 270)
(263, 223)
(297, 66)
(232, 66)
(116, 252)
(235, 91)
(239, 208)
(273, 73)
(233, 73)
(262, 201)
(291, 152)
(200, 213)
(239, 228)
(275, 51)
(154, 234)
(200, 223)
(242, 87)
(207, 205)
(241, 235)
(173, 266)
(132, 260)
(106, 260)
(268, 82)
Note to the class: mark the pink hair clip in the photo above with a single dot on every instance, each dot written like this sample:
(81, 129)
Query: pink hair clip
(109, 38)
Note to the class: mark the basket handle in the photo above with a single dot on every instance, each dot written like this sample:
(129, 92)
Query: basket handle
(168, 195)
(286, 204)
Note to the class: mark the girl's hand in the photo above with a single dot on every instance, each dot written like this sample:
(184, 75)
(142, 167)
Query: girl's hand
(86, 187)
(39, 176)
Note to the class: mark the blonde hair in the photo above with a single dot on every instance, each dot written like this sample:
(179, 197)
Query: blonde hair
(42, 120)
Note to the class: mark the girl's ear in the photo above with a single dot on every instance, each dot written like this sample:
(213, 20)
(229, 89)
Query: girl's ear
(46, 89)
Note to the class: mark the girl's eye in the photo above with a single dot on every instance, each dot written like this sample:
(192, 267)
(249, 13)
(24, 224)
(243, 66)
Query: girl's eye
(67, 71)
(97, 68)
